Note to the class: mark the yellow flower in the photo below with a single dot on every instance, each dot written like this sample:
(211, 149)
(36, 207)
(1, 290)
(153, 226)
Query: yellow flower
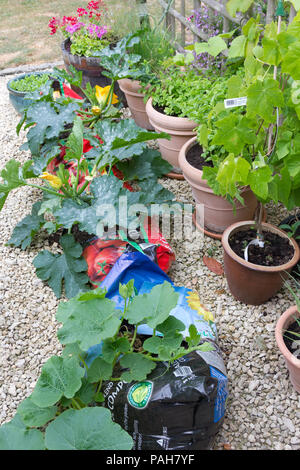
(195, 304)
(54, 181)
(96, 110)
(102, 93)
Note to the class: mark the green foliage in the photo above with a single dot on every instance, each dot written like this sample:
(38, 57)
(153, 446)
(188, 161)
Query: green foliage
(261, 139)
(88, 47)
(63, 411)
(68, 269)
(26, 229)
(14, 176)
(30, 82)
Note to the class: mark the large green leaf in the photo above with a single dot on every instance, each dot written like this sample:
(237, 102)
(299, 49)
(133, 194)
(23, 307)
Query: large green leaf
(14, 437)
(14, 176)
(60, 376)
(33, 415)
(139, 367)
(89, 322)
(291, 61)
(238, 5)
(50, 120)
(68, 269)
(148, 165)
(121, 140)
(263, 96)
(153, 308)
(234, 133)
(86, 429)
(106, 208)
(214, 46)
(27, 228)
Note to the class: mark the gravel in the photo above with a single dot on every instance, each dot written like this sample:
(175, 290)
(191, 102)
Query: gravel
(263, 409)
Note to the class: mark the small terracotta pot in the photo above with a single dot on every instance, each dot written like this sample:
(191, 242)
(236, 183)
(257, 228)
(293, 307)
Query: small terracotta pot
(135, 101)
(218, 212)
(251, 283)
(292, 363)
(180, 130)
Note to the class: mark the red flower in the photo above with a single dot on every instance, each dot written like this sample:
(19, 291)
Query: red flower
(81, 11)
(93, 5)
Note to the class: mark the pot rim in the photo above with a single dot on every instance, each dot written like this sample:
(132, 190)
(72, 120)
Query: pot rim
(20, 77)
(257, 267)
(177, 121)
(129, 92)
(280, 326)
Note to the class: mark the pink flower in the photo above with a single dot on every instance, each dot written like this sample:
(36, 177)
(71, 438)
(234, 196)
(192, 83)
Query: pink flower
(81, 11)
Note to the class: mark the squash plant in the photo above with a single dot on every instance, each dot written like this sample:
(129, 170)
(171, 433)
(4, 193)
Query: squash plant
(66, 409)
(258, 125)
(77, 199)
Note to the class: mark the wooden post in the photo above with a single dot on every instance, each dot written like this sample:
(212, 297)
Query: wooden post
(182, 12)
(197, 6)
(226, 24)
(270, 11)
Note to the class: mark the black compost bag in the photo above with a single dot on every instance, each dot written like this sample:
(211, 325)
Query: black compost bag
(180, 407)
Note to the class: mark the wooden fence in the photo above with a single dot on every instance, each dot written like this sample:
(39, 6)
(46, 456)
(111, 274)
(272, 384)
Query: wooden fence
(181, 30)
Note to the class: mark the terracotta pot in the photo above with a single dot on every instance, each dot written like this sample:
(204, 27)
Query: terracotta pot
(292, 363)
(91, 70)
(135, 101)
(251, 283)
(217, 212)
(180, 130)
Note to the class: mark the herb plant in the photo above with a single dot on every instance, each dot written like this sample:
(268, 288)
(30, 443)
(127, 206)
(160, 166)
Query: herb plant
(66, 410)
(30, 82)
(260, 139)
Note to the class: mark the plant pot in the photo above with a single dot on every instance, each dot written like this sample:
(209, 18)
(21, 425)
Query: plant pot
(292, 363)
(251, 283)
(180, 129)
(218, 213)
(17, 98)
(135, 101)
(91, 70)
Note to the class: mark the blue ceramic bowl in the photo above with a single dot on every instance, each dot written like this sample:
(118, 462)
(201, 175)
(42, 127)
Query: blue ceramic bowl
(17, 98)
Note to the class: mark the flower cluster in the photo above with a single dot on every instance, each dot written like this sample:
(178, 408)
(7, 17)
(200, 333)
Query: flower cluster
(86, 22)
(209, 22)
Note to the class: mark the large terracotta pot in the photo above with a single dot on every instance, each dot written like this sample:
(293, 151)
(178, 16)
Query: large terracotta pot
(135, 101)
(218, 213)
(292, 363)
(180, 129)
(91, 70)
(251, 283)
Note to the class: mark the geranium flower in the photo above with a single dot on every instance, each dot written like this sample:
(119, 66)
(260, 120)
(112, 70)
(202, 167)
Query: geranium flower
(54, 181)
(102, 93)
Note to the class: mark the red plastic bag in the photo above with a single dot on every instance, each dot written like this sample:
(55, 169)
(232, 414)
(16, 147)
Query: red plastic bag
(101, 254)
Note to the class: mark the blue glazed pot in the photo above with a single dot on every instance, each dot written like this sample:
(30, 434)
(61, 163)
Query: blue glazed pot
(17, 98)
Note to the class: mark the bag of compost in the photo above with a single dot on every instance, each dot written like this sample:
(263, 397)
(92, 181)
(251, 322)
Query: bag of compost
(180, 406)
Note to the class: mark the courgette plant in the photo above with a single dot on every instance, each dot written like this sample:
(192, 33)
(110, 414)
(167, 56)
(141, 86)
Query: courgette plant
(259, 132)
(76, 198)
(66, 410)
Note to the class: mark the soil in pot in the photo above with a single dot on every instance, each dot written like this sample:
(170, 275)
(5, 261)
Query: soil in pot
(161, 109)
(276, 251)
(195, 159)
(291, 338)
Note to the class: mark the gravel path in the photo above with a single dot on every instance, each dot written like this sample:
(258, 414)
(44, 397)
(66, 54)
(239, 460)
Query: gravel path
(263, 410)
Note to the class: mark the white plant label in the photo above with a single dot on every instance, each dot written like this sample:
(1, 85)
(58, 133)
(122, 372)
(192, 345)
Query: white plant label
(234, 102)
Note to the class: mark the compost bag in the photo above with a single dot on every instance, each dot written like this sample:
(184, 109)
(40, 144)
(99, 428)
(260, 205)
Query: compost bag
(180, 406)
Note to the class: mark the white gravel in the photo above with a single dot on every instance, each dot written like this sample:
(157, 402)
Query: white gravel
(263, 410)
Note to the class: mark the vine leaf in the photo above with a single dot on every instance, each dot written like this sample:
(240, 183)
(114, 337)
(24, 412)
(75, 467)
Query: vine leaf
(16, 437)
(33, 415)
(139, 367)
(59, 377)
(27, 228)
(154, 307)
(86, 429)
(88, 322)
(14, 176)
(68, 268)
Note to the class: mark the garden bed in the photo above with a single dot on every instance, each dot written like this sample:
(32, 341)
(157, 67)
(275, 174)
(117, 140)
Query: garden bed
(263, 408)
